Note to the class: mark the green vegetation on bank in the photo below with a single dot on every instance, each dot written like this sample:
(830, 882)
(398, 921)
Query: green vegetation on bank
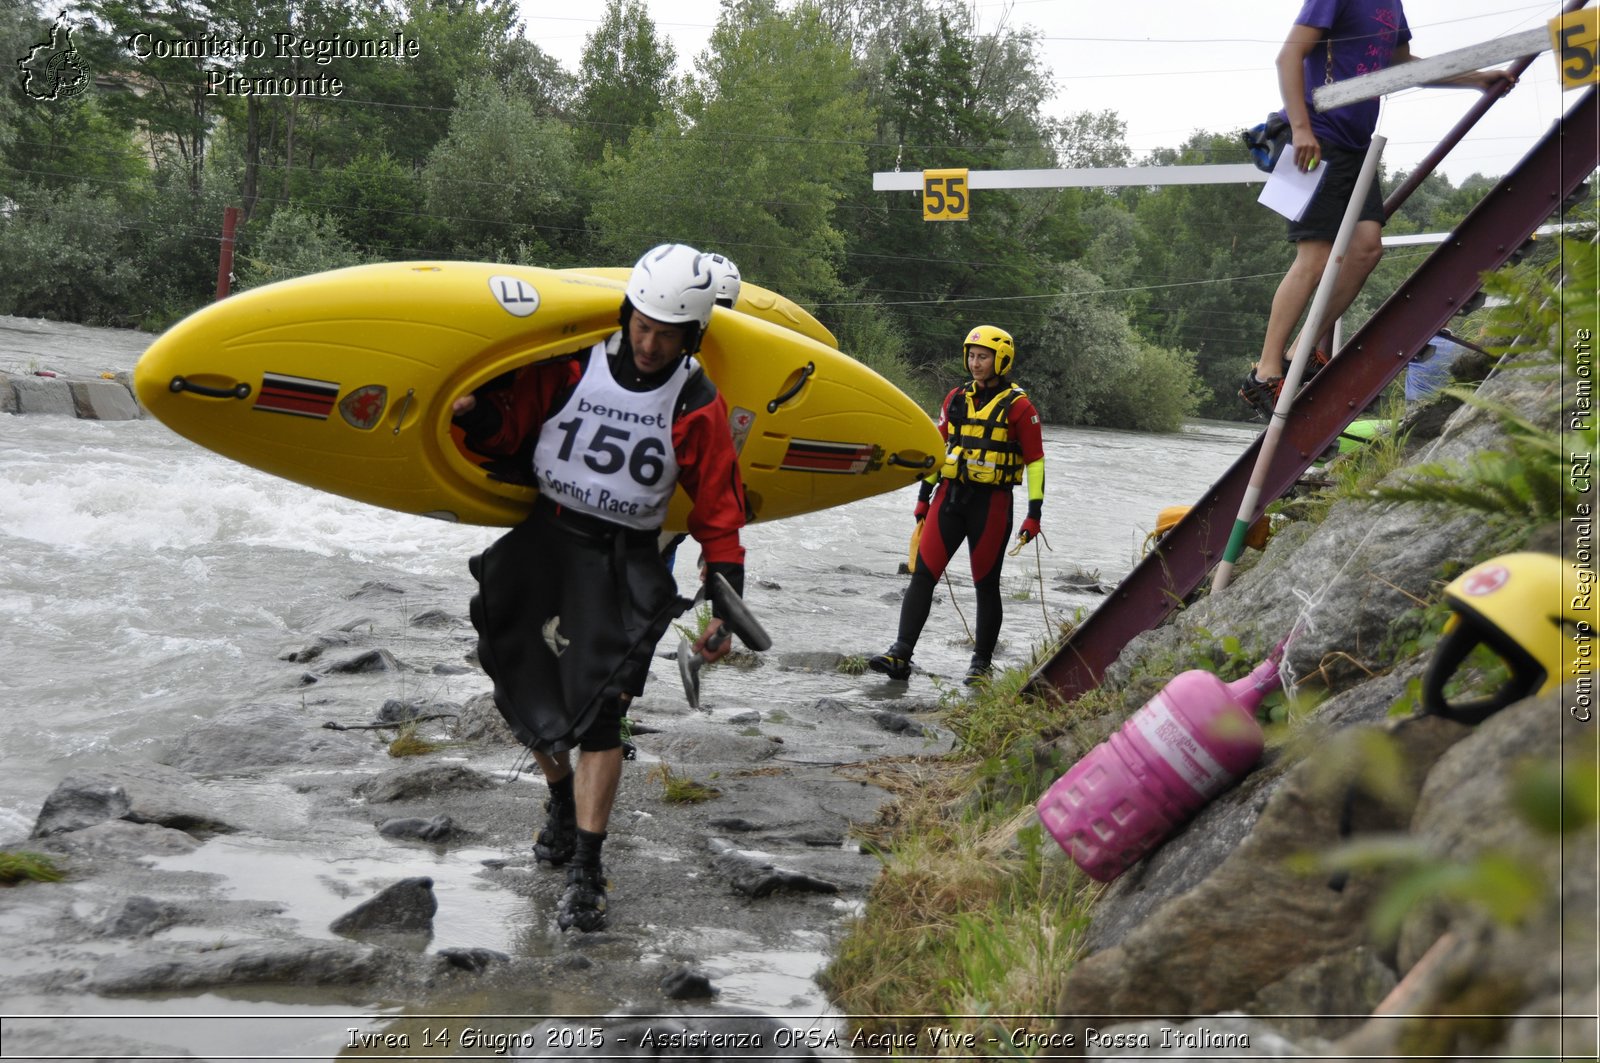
(1530, 482)
(1133, 308)
(972, 915)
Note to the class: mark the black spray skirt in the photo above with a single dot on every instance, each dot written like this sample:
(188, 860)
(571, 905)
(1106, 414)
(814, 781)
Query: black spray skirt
(615, 597)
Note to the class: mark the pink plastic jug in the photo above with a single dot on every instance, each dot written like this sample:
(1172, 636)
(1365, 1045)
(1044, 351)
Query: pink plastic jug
(1190, 742)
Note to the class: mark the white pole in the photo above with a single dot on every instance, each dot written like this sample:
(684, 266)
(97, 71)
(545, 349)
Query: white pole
(1297, 366)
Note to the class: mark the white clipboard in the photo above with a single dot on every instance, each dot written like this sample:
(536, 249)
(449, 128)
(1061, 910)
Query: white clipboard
(1289, 190)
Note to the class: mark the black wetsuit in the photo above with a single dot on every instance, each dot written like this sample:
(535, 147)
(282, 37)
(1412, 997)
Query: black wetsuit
(980, 516)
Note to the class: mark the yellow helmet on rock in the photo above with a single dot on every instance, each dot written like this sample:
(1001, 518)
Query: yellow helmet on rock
(997, 340)
(1515, 606)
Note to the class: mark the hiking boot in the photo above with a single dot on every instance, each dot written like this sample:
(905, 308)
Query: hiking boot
(558, 840)
(1260, 395)
(978, 671)
(583, 905)
(894, 662)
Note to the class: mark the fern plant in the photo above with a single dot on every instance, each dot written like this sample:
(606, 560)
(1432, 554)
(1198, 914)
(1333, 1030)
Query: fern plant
(1528, 483)
(1524, 484)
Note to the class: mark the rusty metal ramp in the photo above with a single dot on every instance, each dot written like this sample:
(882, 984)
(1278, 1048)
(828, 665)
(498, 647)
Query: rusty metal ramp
(1374, 356)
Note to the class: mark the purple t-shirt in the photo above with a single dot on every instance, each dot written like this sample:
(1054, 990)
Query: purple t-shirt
(1362, 35)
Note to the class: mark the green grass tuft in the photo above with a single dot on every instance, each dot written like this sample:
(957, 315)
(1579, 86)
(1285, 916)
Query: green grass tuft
(680, 790)
(27, 867)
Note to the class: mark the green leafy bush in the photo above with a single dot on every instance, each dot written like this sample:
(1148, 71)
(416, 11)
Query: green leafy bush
(59, 257)
(1155, 390)
(295, 242)
(1526, 484)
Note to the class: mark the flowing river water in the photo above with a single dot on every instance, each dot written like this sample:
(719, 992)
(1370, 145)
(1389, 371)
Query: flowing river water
(144, 582)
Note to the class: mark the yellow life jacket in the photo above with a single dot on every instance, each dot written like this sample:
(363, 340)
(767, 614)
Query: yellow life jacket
(979, 446)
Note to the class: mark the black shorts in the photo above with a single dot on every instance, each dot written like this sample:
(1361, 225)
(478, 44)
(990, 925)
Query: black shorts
(1325, 213)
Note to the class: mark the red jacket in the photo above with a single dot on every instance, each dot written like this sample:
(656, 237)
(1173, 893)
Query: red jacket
(708, 467)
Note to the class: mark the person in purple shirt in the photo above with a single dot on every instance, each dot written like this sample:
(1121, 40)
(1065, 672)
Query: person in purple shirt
(1333, 40)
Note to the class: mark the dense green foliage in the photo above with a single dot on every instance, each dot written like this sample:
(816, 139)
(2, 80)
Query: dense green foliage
(1132, 308)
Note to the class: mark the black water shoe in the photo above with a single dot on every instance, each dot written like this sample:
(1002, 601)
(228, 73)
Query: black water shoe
(1260, 395)
(978, 671)
(894, 662)
(583, 905)
(559, 839)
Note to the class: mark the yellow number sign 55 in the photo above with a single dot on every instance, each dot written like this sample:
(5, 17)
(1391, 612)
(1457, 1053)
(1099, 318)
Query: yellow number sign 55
(1574, 39)
(944, 195)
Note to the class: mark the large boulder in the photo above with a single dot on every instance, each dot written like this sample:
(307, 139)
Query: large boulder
(254, 736)
(301, 964)
(144, 793)
(103, 400)
(1267, 933)
(1508, 967)
(46, 395)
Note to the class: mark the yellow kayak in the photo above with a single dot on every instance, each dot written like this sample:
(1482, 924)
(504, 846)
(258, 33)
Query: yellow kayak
(344, 380)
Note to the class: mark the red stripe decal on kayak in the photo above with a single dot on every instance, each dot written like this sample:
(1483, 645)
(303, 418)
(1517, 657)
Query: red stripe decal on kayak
(814, 455)
(296, 395)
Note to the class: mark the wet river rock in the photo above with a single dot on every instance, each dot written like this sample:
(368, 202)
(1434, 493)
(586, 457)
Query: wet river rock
(267, 774)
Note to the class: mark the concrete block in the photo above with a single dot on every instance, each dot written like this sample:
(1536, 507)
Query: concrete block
(104, 400)
(50, 395)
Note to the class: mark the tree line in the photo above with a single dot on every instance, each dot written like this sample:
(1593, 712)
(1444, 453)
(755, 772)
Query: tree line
(1132, 308)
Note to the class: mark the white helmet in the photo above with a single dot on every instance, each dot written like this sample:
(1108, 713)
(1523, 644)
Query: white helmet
(674, 284)
(727, 274)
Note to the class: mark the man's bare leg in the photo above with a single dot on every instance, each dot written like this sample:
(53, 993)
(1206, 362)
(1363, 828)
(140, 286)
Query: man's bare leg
(598, 775)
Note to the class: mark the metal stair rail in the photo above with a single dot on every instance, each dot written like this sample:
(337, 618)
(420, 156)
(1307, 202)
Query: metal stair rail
(1484, 241)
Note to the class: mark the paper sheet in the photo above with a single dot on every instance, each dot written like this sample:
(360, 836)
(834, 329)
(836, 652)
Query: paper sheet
(1288, 191)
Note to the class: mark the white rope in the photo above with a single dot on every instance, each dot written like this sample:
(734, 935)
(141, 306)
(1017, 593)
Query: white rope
(1302, 623)
(1038, 564)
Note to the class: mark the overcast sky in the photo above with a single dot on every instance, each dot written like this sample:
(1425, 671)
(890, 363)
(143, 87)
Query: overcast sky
(1191, 65)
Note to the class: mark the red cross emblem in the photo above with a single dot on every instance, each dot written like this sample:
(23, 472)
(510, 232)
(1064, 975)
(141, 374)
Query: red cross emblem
(1485, 581)
(363, 406)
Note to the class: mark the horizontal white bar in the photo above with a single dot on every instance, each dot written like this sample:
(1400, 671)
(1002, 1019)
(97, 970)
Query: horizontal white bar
(1092, 177)
(1438, 238)
(1434, 68)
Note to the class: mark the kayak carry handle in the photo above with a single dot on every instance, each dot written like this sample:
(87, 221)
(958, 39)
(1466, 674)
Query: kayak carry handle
(180, 385)
(925, 463)
(805, 374)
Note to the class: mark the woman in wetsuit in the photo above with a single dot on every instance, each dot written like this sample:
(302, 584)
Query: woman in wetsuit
(992, 444)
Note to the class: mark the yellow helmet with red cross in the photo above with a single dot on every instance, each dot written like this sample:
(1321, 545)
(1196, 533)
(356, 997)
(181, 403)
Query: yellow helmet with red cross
(997, 340)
